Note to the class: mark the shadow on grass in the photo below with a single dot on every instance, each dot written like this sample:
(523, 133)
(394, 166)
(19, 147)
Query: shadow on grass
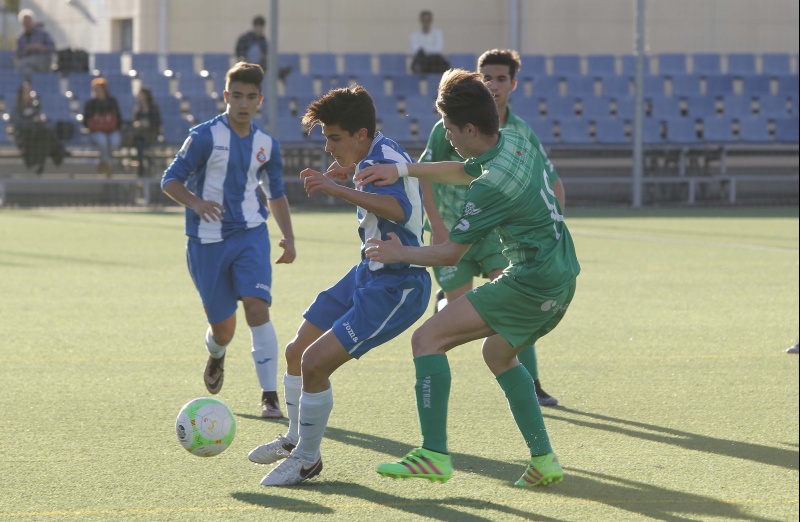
(772, 456)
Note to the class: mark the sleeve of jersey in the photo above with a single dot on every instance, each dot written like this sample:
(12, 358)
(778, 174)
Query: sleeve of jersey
(552, 173)
(193, 153)
(274, 171)
(397, 190)
(485, 209)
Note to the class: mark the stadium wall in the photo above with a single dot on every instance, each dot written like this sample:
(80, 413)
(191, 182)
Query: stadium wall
(546, 26)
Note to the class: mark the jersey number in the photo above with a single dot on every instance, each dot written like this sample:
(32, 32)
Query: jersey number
(551, 204)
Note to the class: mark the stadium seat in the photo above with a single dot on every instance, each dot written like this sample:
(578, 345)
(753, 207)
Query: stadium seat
(741, 64)
(546, 86)
(181, 64)
(9, 83)
(299, 86)
(145, 64)
(79, 84)
(625, 107)
(6, 60)
(357, 64)
(575, 132)
(286, 60)
(559, 108)
(544, 130)
(385, 104)
(699, 107)
(322, 64)
(290, 130)
(174, 129)
(671, 64)
(595, 108)
(425, 124)
(788, 86)
(786, 130)
(686, 85)
(405, 85)
(565, 65)
(756, 85)
(169, 106)
(653, 86)
(466, 61)
(651, 132)
(737, 107)
(580, 86)
(533, 65)
(754, 130)
(216, 63)
(776, 64)
(601, 65)
(203, 108)
(615, 86)
(5, 139)
(610, 132)
(526, 108)
(629, 65)
(126, 102)
(664, 107)
(718, 130)
(419, 105)
(706, 64)
(719, 86)
(681, 131)
(397, 128)
(56, 108)
(375, 84)
(392, 64)
(773, 107)
(431, 82)
(108, 63)
(158, 83)
(192, 85)
(46, 84)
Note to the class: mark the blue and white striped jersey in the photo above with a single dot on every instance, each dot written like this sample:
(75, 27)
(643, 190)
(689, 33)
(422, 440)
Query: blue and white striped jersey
(217, 164)
(406, 191)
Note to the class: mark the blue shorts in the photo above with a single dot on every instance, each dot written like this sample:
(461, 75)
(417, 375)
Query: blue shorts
(366, 309)
(225, 271)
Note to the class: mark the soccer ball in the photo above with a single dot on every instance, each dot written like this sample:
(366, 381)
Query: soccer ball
(205, 427)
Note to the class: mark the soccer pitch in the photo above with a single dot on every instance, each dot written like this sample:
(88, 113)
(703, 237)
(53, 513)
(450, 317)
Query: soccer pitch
(677, 399)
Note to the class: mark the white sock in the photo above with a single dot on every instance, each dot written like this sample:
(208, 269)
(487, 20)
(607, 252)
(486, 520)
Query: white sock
(214, 350)
(292, 387)
(265, 355)
(315, 408)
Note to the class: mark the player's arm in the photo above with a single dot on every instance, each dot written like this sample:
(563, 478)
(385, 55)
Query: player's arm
(393, 250)
(444, 172)
(192, 154)
(382, 205)
(438, 229)
(279, 208)
(207, 210)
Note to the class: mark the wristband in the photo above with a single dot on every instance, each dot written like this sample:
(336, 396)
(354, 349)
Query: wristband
(402, 170)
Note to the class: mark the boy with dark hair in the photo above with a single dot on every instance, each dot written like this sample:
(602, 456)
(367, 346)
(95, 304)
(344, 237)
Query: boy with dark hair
(224, 170)
(445, 203)
(372, 304)
(509, 190)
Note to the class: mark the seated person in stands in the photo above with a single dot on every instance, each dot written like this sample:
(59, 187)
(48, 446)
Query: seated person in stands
(427, 46)
(102, 117)
(34, 136)
(145, 125)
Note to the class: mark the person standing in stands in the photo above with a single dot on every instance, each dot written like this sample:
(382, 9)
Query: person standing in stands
(35, 47)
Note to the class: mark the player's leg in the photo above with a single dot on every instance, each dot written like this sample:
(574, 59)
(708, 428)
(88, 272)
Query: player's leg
(453, 281)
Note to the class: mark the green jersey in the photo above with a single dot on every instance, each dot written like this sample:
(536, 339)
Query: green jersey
(512, 193)
(450, 198)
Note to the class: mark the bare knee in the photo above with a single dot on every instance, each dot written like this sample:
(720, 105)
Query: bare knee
(222, 334)
(294, 356)
(423, 342)
(315, 374)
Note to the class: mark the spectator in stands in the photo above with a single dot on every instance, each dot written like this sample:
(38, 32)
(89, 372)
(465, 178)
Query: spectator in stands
(35, 47)
(251, 47)
(102, 117)
(145, 125)
(34, 137)
(427, 46)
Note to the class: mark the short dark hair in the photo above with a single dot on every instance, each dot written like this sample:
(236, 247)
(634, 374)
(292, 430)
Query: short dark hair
(245, 72)
(426, 12)
(259, 20)
(351, 108)
(508, 57)
(464, 98)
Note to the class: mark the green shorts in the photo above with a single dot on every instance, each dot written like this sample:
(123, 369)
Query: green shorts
(482, 258)
(516, 312)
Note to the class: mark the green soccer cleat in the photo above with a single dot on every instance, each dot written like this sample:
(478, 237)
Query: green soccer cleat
(541, 471)
(419, 463)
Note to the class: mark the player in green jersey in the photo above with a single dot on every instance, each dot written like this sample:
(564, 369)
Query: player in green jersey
(445, 203)
(509, 191)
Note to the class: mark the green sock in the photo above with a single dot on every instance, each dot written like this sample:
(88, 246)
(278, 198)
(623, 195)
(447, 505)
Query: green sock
(433, 394)
(518, 387)
(527, 358)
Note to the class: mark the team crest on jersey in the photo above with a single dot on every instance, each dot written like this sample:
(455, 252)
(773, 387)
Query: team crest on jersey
(470, 209)
(261, 156)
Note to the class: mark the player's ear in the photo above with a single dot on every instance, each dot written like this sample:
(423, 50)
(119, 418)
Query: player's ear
(225, 95)
(514, 83)
(361, 134)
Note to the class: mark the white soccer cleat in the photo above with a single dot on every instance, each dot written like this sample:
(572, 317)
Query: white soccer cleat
(278, 449)
(292, 471)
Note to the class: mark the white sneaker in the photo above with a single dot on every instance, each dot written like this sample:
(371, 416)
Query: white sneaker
(278, 449)
(291, 471)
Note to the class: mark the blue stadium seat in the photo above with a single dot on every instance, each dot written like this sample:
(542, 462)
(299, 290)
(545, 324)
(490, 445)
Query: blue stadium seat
(181, 64)
(357, 64)
(625, 107)
(601, 65)
(46, 84)
(665, 107)
(544, 130)
(419, 105)
(285, 106)
(786, 130)
(610, 132)
(741, 64)
(596, 108)
(145, 64)
(192, 85)
(670, 64)
(299, 85)
(559, 108)
(773, 107)
(575, 132)
(616, 86)
(629, 65)
(169, 106)
(788, 86)
(756, 85)
(706, 64)
(158, 83)
(718, 130)
(686, 85)
(392, 64)
(290, 130)
(776, 64)
(6, 60)
(431, 82)
(719, 85)
(385, 104)
(56, 108)
(108, 63)
(289, 60)
(203, 108)
(754, 130)
(216, 63)
(546, 86)
(406, 85)
(373, 83)
(126, 102)
(526, 108)
(80, 85)
(653, 86)
(466, 61)
(565, 65)
(681, 131)
(737, 107)
(651, 132)
(9, 83)
(397, 128)
(580, 86)
(699, 107)
(533, 65)
(174, 129)
(322, 64)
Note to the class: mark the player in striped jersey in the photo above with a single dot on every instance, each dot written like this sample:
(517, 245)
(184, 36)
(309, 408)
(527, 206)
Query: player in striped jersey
(373, 303)
(224, 170)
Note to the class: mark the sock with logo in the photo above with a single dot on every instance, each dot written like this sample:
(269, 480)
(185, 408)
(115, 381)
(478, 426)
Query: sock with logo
(215, 350)
(292, 387)
(265, 355)
(527, 358)
(433, 394)
(518, 388)
(315, 408)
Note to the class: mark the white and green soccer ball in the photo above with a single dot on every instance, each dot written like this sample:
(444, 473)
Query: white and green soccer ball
(205, 427)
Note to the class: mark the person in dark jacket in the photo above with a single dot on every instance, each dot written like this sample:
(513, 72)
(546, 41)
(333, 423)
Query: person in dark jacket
(102, 117)
(35, 139)
(145, 125)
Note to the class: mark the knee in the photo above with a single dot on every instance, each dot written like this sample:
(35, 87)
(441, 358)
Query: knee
(422, 342)
(312, 371)
(293, 353)
(222, 336)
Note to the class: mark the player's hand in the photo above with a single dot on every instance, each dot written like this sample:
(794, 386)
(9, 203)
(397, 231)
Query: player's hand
(289, 253)
(314, 181)
(336, 171)
(385, 252)
(381, 174)
(209, 210)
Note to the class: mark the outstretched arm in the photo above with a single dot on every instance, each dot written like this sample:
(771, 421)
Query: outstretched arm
(444, 172)
(279, 208)
(381, 205)
(392, 250)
